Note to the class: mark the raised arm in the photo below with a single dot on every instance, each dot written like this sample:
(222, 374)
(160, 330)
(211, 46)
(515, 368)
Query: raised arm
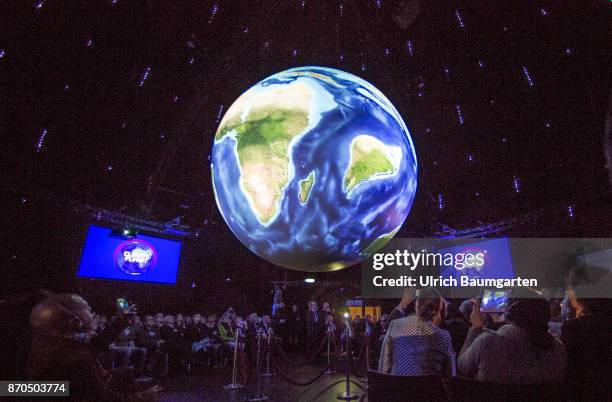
(470, 352)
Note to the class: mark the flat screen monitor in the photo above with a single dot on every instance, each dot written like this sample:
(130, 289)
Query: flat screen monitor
(142, 258)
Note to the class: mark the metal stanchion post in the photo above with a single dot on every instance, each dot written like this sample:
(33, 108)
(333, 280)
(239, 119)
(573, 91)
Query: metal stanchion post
(329, 369)
(258, 395)
(234, 384)
(367, 357)
(347, 395)
(268, 372)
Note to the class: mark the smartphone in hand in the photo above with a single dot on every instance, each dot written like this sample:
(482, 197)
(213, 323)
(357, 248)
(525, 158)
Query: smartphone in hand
(123, 304)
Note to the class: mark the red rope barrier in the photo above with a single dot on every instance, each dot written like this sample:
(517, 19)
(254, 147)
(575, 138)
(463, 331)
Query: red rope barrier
(281, 371)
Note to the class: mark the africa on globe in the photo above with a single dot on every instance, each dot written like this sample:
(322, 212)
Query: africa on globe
(313, 168)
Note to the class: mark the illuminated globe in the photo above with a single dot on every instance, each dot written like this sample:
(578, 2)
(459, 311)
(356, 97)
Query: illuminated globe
(313, 168)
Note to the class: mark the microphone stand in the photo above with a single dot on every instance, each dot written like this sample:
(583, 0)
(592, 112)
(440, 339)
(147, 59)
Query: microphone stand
(329, 335)
(268, 372)
(366, 339)
(258, 395)
(234, 384)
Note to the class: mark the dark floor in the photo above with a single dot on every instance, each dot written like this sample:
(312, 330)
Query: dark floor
(203, 384)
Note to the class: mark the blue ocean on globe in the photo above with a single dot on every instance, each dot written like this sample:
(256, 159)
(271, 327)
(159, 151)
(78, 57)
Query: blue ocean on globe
(313, 169)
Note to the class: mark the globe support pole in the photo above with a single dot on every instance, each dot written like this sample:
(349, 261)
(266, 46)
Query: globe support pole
(347, 395)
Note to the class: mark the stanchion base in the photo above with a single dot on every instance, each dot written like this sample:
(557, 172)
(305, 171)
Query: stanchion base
(268, 374)
(233, 386)
(343, 396)
(258, 398)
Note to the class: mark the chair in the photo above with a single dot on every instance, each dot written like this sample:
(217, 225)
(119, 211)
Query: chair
(393, 388)
(462, 389)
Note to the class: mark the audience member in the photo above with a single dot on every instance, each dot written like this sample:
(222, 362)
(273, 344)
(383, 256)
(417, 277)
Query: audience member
(414, 345)
(379, 333)
(209, 342)
(295, 328)
(194, 332)
(588, 342)
(520, 352)
(314, 325)
(174, 345)
(358, 327)
(179, 323)
(266, 324)
(330, 326)
(281, 324)
(124, 348)
(148, 337)
(159, 320)
(456, 326)
(370, 325)
(227, 330)
(465, 308)
(62, 325)
(381, 327)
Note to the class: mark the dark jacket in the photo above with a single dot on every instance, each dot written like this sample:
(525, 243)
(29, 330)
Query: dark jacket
(295, 322)
(315, 322)
(148, 337)
(507, 356)
(458, 329)
(194, 332)
(60, 359)
(588, 342)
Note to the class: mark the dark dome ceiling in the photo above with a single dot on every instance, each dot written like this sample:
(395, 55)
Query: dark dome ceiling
(114, 103)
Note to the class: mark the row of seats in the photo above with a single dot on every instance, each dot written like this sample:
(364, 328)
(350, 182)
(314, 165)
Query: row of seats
(391, 388)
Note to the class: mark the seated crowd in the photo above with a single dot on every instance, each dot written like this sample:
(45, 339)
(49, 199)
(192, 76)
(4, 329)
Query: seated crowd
(423, 335)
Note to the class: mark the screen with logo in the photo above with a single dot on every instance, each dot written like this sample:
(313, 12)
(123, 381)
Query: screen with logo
(487, 259)
(141, 258)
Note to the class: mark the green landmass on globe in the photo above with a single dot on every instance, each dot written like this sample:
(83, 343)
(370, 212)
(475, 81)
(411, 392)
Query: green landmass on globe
(306, 186)
(262, 138)
(369, 159)
(380, 242)
(263, 135)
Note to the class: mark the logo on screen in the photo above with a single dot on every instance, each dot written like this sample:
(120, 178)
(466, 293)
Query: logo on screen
(135, 257)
